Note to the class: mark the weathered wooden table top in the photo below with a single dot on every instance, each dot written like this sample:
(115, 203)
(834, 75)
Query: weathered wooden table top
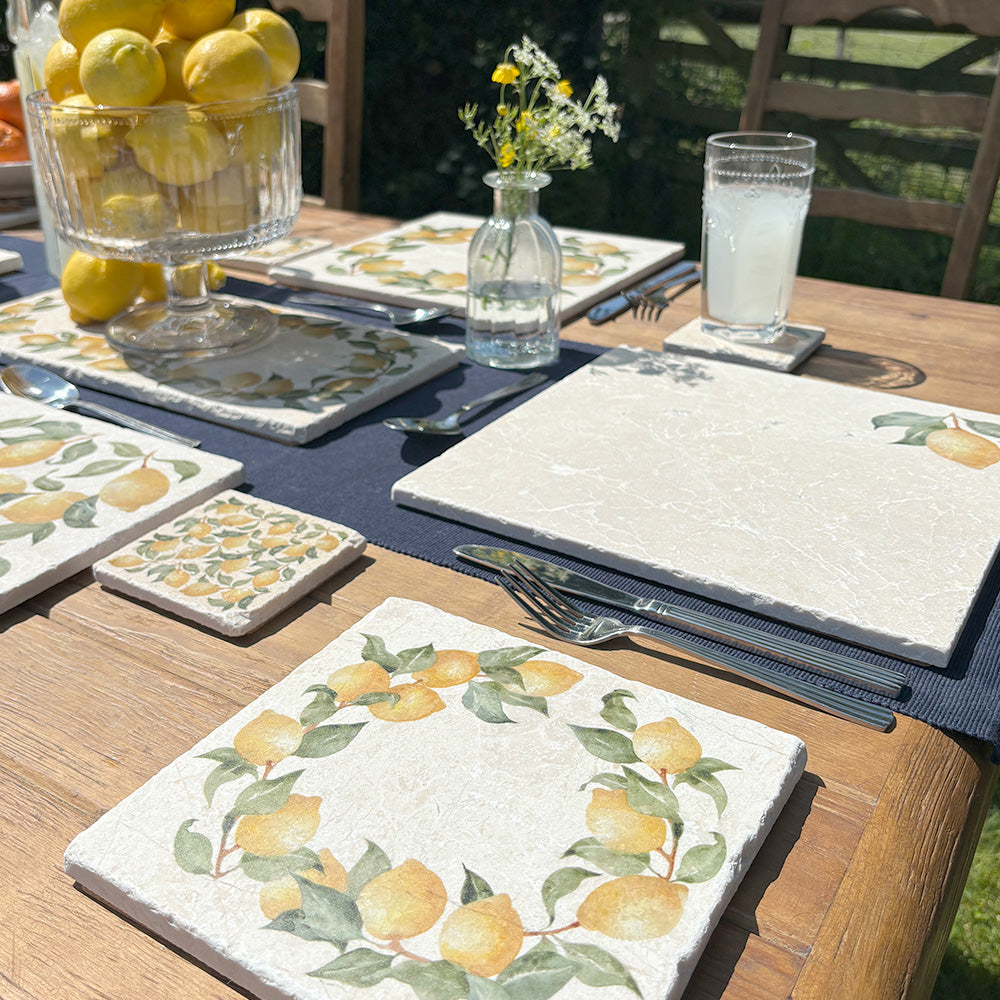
(853, 893)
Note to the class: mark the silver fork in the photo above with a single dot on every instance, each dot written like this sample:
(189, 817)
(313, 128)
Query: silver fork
(653, 303)
(566, 620)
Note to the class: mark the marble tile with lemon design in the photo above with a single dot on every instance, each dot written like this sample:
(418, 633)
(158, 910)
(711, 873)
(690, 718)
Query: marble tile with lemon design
(316, 374)
(232, 563)
(431, 808)
(425, 261)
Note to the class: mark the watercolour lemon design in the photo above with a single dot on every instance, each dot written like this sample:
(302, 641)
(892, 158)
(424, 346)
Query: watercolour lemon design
(365, 357)
(231, 553)
(55, 478)
(372, 912)
(969, 445)
(394, 260)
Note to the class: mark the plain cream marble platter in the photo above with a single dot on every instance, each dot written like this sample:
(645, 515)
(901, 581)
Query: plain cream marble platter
(431, 808)
(314, 375)
(866, 515)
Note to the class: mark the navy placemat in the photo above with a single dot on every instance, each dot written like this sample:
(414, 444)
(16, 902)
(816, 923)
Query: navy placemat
(347, 475)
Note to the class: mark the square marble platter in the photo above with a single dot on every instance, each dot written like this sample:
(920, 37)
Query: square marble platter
(314, 375)
(430, 808)
(815, 503)
(73, 489)
(425, 262)
(232, 563)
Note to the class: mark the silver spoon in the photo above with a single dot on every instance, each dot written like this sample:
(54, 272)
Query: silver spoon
(43, 386)
(449, 424)
(396, 315)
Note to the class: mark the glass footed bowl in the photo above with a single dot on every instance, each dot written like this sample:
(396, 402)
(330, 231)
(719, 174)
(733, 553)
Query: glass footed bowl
(176, 184)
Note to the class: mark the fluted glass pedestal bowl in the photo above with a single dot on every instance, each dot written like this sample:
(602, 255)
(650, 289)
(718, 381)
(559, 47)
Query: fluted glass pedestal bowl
(175, 184)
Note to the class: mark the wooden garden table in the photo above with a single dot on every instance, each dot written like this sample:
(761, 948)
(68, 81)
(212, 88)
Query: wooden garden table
(853, 893)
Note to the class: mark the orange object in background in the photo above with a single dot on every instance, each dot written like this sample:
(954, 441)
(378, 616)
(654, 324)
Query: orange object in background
(13, 145)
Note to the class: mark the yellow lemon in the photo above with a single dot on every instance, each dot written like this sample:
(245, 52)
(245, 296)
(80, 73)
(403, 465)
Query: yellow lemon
(41, 508)
(12, 484)
(617, 825)
(178, 146)
(224, 203)
(201, 589)
(194, 18)
(415, 702)
(226, 65)
(134, 216)
(121, 68)
(268, 739)
(278, 39)
(176, 578)
(62, 71)
(483, 937)
(83, 138)
(135, 489)
(543, 679)
(280, 832)
(450, 667)
(172, 51)
(265, 578)
(357, 679)
(27, 452)
(186, 279)
(99, 289)
(194, 551)
(284, 893)
(633, 908)
(403, 902)
(82, 20)
(126, 562)
(327, 543)
(666, 746)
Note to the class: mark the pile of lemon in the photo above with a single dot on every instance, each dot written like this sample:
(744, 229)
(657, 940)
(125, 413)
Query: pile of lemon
(182, 171)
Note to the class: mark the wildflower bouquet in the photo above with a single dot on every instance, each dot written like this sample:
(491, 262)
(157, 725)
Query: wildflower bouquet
(538, 126)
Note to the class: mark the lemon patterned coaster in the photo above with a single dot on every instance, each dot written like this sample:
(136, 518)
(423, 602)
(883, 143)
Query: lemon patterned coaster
(314, 375)
(233, 563)
(73, 489)
(429, 808)
(424, 262)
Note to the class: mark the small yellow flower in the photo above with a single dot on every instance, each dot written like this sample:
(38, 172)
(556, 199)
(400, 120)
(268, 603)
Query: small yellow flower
(563, 87)
(505, 73)
(503, 110)
(506, 155)
(524, 121)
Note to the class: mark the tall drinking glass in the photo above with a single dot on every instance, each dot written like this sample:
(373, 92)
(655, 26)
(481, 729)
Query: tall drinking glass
(756, 195)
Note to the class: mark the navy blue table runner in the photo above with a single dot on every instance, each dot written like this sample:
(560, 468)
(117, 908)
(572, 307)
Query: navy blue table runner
(347, 474)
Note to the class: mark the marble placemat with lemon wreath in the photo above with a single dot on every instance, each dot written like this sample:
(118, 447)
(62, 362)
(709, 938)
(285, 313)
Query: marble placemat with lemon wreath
(431, 808)
(317, 372)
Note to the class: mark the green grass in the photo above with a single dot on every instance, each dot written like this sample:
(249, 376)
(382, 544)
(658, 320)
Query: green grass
(971, 966)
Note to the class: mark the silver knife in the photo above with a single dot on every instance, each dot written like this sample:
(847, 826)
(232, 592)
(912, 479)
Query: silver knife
(613, 307)
(882, 680)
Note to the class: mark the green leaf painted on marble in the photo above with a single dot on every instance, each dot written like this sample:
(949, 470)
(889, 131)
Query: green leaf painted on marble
(321, 708)
(418, 658)
(984, 427)
(81, 514)
(616, 713)
(591, 850)
(265, 796)
(48, 484)
(373, 862)
(361, 967)
(374, 649)
(100, 468)
(432, 980)
(518, 698)
(325, 740)
(483, 699)
(42, 531)
(917, 425)
(608, 779)
(486, 989)
(183, 468)
(652, 798)
(225, 773)
(4, 566)
(192, 851)
(74, 452)
(507, 656)
(474, 887)
(703, 861)
(606, 744)
(561, 883)
(264, 869)
(537, 975)
(597, 967)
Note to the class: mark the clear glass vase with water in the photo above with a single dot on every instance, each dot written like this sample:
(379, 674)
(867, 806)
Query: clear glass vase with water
(515, 273)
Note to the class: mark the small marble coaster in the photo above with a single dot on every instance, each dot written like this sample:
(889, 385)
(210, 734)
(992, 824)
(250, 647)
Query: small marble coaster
(232, 563)
(10, 260)
(786, 353)
(275, 254)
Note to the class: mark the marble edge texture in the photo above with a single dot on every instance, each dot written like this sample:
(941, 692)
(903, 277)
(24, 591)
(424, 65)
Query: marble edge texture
(89, 858)
(264, 421)
(234, 621)
(429, 488)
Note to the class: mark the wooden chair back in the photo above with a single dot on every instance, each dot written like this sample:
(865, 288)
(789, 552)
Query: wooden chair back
(783, 93)
(336, 102)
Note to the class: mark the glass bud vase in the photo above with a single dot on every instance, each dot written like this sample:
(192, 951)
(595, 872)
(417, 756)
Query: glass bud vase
(515, 273)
